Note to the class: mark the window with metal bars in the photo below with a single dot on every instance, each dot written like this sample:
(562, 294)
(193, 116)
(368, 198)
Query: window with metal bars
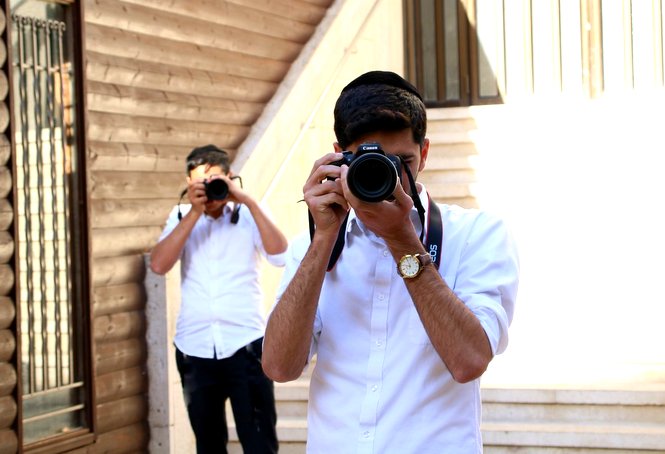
(467, 52)
(50, 226)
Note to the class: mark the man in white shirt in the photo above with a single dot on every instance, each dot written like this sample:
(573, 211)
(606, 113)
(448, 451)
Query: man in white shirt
(404, 301)
(220, 327)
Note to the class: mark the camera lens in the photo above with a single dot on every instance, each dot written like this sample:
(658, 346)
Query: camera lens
(372, 177)
(216, 189)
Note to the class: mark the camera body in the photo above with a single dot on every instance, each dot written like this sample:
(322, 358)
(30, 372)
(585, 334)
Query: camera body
(216, 189)
(372, 175)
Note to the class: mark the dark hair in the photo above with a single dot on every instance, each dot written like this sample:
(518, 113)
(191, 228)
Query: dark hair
(379, 101)
(208, 155)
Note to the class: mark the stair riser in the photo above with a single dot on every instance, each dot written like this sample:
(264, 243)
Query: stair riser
(513, 412)
(292, 409)
(541, 450)
(284, 448)
(452, 125)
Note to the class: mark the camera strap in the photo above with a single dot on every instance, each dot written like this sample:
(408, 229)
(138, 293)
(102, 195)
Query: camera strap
(432, 242)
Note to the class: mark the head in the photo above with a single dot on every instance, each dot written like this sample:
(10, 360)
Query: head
(206, 163)
(382, 107)
(379, 101)
(208, 156)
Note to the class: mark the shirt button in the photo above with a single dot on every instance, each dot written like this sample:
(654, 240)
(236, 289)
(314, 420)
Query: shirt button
(379, 343)
(366, 434)
(381, 297)
(374, 388)
(385, 253)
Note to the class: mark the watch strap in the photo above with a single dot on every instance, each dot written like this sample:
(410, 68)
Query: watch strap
(424, 259)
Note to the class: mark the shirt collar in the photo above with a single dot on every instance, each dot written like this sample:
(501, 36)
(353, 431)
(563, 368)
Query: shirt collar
(226, 209)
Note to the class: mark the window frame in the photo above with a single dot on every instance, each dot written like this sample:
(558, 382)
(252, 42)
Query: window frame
(80, 246)
(546, 63)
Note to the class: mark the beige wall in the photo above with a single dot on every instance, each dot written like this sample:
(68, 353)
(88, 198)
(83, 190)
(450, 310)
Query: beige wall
(580, 182)
(297, 126)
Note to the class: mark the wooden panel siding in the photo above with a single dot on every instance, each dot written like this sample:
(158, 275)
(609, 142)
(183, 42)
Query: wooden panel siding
(7, 312)
(122, 43)
(276, 19)
(6, 279)
(8, 441)
(119, 71)
(152, 130)
(120, 241)
(5, 180)
(136, 157)
(120, 213)
(195, 31)
(135, 185)
(122, 383)
(6, 214)
(7, 380)
(121, 412)
(118, 298)
(118, 355)
(144, 102)
(6, 246)
(118, 270)
(7, 345)
(162, 76)
(8, 376)
(120, 326)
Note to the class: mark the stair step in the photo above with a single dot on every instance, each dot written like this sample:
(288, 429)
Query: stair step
(615, 436)
(654, 395)
(234, 447)
(289, 430)
(564, 419)
(533, 437)
(447, 138)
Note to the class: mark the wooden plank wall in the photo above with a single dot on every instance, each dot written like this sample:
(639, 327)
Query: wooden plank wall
(163, 76)
(8, 376)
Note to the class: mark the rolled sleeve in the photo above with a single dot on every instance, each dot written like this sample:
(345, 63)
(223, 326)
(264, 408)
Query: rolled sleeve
(277, 259)
(487, 278)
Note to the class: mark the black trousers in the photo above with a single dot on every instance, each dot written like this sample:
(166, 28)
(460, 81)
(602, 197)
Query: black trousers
(207, 383)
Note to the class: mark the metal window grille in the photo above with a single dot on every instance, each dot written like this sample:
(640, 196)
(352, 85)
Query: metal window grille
(52, 388)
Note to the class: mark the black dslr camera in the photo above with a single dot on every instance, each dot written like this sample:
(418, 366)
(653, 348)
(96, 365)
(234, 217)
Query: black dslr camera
(216, 189)
(372, 175)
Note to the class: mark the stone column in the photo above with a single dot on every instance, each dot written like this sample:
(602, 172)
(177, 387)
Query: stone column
(170, 432)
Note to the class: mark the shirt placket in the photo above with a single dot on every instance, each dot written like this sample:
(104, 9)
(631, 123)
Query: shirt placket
(215, 324)
(378, 332)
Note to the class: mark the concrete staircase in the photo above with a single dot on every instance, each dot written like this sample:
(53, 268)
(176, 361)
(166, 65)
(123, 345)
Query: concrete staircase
(565, 419)
(450, 173)
(572, 420)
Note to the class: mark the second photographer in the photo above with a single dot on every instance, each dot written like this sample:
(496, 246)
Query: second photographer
(219, 238)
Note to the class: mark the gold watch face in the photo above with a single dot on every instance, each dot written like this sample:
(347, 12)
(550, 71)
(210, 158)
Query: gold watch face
(409, 266)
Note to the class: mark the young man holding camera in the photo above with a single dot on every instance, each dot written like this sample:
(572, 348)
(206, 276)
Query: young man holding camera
(220, 326)
(404, 301)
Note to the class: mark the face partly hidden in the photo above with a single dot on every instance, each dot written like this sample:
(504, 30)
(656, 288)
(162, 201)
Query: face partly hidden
(203, 173)
(397, 143)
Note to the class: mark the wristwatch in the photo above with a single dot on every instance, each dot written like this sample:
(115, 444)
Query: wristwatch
(410, 266)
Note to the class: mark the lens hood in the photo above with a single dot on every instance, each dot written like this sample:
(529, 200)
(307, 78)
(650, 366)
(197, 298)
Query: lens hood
(372, 177)
(216, 189)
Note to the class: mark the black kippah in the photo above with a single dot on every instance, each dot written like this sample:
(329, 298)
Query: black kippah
(383, 78)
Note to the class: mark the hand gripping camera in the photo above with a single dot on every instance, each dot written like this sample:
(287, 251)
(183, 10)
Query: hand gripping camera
(372, 175)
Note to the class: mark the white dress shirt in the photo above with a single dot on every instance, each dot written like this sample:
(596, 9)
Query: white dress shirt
(378, 385)
(221, 301)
